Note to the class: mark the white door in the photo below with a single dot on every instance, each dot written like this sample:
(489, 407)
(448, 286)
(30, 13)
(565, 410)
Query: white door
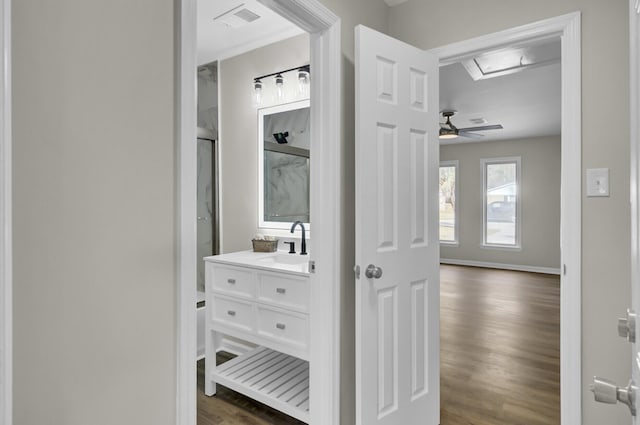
(397, 314)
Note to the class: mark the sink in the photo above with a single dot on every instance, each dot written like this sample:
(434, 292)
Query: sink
(281, 261)
(285, 259)
(276, 261)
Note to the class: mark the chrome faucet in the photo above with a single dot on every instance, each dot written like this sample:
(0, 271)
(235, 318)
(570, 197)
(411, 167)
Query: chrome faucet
(303, 248)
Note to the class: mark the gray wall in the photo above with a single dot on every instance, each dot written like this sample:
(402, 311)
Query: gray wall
(606, 221)
(540, 201)
(93, 207)
(239, 135)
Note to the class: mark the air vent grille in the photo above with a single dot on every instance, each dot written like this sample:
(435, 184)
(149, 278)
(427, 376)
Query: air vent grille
(246, 15)
(237, 17)
(478, 121)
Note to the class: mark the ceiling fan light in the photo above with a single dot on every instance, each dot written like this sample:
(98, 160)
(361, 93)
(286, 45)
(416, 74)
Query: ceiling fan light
(448, 133)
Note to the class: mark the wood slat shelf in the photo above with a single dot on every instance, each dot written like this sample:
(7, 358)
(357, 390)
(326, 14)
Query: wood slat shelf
(273, 378)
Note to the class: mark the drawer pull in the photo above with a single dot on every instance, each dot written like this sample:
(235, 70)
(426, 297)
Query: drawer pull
(280, 325)
(231, 312)
(231, 281)
(281, 290)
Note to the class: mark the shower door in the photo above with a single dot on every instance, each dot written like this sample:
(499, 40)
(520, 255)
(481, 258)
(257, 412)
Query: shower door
(207, 232)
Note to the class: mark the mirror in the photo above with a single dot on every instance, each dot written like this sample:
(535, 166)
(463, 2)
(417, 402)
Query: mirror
(283, 165)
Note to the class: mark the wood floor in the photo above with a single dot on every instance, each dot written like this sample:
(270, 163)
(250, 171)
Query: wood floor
(499, 347)
(500, 354)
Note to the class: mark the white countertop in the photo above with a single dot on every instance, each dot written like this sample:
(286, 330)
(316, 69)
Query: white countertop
(279, 261)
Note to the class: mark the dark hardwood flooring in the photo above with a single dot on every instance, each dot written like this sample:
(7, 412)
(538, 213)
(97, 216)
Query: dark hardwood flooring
(499, 354)
(499, 347)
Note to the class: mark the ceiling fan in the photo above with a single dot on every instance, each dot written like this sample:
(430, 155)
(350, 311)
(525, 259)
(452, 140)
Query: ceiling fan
(450, 131)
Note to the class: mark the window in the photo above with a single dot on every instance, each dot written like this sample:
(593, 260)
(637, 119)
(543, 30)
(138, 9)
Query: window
(501, 202)
(447, 202)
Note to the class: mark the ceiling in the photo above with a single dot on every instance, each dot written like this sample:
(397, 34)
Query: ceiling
(219, 40)
(526, 103)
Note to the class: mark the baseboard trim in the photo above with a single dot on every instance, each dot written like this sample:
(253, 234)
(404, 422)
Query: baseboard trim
(517, 267)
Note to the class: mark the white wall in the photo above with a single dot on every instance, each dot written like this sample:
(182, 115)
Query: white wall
(605, 91)
(540, 201)
(93, 207)
(239, 134)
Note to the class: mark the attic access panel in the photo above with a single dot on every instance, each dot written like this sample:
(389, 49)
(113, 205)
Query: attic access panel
(512, 59)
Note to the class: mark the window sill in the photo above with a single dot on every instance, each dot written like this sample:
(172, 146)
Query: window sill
(449, 243)
(501, 247)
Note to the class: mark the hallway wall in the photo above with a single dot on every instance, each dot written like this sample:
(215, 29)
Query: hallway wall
(94, 212)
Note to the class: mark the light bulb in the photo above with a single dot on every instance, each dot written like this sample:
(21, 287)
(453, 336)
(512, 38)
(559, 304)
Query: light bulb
(279, 87)
(257, 89)
(303, 82)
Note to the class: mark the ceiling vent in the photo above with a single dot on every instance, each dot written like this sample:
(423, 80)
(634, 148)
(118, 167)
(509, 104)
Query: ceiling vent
(237, 17)
(478, 121)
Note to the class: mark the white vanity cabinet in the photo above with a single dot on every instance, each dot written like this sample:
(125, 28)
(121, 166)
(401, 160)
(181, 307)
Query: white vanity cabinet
(267, 307)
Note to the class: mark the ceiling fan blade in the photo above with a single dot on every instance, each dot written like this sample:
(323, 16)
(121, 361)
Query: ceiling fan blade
(470, 135)
(482, 128)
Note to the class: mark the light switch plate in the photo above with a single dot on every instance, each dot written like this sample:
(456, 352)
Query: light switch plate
(597, 182)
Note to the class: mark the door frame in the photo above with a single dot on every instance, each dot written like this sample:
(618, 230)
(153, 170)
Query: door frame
(324, 29)
(567, 27)
(6, 256)
(634, 137)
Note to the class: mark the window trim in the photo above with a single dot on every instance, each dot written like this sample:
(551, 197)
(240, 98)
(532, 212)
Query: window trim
(456, 228)
(484, 163)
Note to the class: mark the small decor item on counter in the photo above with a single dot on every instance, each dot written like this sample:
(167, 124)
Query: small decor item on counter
(263, 243)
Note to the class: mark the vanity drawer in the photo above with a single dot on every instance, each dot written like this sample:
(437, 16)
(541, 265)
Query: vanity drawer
(289, 328)
(287, 292)
(233, 281)
(233, 313)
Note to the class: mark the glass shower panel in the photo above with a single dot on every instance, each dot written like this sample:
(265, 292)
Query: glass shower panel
(205, 208)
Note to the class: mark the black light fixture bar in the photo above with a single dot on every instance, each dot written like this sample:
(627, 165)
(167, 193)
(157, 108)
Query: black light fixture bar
(297, 68)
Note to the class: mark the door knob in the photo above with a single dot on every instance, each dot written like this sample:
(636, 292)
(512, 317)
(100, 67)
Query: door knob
(627, 326)
(606, 391)
(373, 272)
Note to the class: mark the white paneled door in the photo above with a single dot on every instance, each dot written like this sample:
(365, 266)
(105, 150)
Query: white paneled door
(397, 248)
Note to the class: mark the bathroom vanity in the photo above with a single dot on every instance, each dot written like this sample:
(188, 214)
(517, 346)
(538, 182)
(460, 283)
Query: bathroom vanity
(261, 300)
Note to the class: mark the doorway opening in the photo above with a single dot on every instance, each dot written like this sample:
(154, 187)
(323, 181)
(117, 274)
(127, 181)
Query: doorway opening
(324, 28)
(504, 220)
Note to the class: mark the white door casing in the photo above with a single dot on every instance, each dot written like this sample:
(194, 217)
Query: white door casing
(568, 28)
(397, 315)
(634, 86)
(6, 273)
(326, 189)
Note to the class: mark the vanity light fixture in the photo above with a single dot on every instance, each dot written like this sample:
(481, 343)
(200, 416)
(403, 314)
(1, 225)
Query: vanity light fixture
(303, 73)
